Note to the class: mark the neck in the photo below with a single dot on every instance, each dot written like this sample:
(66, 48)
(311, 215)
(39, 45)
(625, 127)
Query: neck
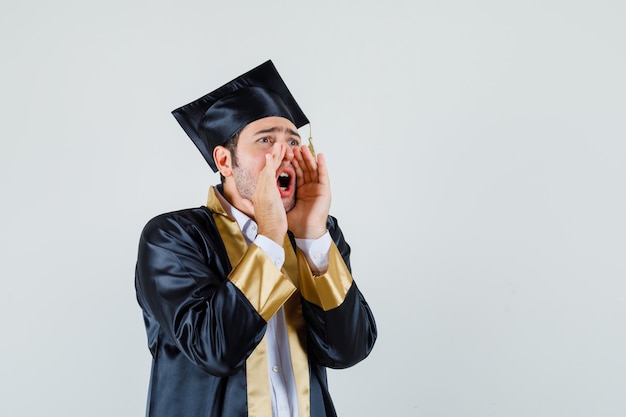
(230, 193)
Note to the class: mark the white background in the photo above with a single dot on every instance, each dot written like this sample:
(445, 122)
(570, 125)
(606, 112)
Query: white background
(477, 155)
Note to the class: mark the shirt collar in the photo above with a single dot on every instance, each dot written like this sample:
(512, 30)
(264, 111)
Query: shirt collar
(248, 226)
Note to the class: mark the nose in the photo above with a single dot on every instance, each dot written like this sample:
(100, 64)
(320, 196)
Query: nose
(288, 154)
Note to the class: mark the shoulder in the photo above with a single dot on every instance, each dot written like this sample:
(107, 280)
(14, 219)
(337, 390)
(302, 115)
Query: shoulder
(178, 224)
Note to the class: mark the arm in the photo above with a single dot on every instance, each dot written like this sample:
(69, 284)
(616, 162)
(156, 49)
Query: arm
(181, 275)
(341, 327)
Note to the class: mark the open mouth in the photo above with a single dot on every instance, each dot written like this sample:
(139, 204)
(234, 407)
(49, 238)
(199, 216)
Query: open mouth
(284, 181)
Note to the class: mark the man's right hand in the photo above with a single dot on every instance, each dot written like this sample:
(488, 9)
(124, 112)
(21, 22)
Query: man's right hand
(269, 212)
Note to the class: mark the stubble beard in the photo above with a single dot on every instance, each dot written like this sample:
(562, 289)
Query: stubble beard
(245, 182)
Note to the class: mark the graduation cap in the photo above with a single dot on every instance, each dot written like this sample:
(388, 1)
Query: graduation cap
(215, 118)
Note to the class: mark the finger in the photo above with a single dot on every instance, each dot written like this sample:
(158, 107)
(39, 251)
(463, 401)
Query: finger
(267, 174)
(309, 165)
(322, 169)
(270, 158)
(309, 158)
(278, 154)
(298, 163)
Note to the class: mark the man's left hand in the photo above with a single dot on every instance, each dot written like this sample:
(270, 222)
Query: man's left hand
(307, 220)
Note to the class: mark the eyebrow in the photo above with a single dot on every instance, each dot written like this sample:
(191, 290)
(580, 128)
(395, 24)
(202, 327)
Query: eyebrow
(278, 129)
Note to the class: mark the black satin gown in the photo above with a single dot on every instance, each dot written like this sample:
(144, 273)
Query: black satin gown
(201, 328)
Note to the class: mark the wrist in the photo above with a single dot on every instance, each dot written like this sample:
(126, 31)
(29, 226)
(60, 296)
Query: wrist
(276, 237)
(277, 234)
(309, 232)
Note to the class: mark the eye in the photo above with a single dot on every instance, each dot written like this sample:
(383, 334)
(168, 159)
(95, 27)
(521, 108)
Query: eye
(294, 142)
(264, 140)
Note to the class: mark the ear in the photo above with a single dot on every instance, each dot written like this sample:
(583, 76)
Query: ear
(223, 160)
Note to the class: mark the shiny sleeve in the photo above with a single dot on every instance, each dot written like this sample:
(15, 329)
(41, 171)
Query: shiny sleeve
(340, 325)
(182, 281)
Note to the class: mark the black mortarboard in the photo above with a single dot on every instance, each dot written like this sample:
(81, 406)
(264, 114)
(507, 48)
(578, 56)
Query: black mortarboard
(216, 117)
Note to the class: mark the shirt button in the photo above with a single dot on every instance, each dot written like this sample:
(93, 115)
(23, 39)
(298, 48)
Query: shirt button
(277, 262)
(317, 255)
(275, 368)
(253, 227)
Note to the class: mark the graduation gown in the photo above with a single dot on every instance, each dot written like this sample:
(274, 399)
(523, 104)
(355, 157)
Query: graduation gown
(206, 298)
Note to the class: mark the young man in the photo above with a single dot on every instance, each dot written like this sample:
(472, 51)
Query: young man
(249, 299)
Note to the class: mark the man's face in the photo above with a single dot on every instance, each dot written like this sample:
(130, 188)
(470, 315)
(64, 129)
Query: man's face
(255, 141)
